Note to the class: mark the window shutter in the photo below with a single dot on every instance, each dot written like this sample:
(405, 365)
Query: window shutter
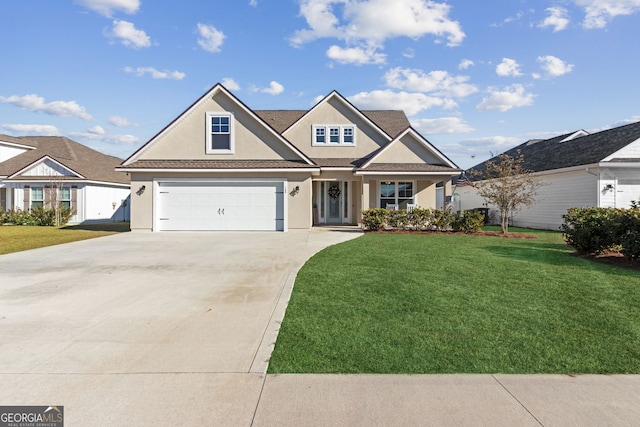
(27, 193)
(47, 195)
(74, 198)
(3, 198)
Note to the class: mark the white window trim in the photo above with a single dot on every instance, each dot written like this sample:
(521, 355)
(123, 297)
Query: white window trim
(209, 149)
(397, 191)
(327, 135)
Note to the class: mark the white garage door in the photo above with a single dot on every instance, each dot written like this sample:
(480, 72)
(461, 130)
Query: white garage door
(221, 206)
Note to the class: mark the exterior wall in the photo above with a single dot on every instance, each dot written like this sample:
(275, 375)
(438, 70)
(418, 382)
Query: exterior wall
(186, 140)
(335, 113)
(47, 168)
(410, 151)
(299, 205)
(625, 187)
(102, 203)
(562, 191)
(426, 194)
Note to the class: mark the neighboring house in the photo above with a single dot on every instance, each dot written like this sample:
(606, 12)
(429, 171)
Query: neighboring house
(222, 166)
(34, 170)
(579, 169)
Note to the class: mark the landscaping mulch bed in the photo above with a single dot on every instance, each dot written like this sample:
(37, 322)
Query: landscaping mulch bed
(509, 235)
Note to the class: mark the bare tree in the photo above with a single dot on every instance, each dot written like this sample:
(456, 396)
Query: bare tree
(507, 185)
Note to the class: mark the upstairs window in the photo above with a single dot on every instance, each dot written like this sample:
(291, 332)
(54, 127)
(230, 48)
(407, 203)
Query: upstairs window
(219, 133)
(338, 135)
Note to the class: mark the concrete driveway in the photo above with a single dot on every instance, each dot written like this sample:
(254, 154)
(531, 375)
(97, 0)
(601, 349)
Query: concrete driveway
(175, 329)
(148, 328)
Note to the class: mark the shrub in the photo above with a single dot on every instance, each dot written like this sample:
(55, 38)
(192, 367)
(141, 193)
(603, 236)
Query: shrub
(592, 230)
(37, 216)
(630, 233)
(375, 219)
(468, 222)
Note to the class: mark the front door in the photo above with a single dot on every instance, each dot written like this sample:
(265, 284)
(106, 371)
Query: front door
(334, 197)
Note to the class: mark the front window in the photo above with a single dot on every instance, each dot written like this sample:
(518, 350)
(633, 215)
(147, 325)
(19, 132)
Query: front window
(335, 135)
(219, 133)
(37, 197)
(65, 197)
(396, 195)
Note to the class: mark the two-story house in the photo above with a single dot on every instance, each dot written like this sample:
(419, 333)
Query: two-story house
(223, 166)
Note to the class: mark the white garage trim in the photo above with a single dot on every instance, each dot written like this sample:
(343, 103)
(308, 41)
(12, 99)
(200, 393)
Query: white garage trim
(245, 185)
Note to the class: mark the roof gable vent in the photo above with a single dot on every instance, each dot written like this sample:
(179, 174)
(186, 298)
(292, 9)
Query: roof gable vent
(574, 135)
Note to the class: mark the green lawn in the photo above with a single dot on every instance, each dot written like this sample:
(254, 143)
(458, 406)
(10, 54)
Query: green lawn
(14, 238)
(437, 303)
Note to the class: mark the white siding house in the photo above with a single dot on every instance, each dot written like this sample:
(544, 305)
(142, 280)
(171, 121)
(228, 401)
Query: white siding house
(32, 168)
(578, 170)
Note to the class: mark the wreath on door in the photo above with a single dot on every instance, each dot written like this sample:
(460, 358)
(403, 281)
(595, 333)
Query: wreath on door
(334, 191)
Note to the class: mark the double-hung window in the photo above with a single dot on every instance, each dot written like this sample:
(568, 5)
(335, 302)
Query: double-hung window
(396, 195)
(37, 197)
(219, 133)
(337, 135)
(65, 197)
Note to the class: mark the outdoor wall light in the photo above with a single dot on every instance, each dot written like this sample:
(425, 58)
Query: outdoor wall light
(295, 191)
(141, 190)
(608, 187)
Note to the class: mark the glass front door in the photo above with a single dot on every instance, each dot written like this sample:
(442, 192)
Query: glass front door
(334, 198)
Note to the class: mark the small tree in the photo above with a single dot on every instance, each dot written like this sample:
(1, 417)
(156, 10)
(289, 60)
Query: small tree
(508, 185)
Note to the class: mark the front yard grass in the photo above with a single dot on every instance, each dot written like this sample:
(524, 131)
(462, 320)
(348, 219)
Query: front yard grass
(438, 303)
(15, 238)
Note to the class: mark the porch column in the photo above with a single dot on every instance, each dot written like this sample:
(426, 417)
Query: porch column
(365, 193)
(447, 193)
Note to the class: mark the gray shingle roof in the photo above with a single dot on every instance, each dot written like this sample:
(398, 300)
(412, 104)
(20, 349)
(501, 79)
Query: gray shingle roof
(91, 164)
(550, 154)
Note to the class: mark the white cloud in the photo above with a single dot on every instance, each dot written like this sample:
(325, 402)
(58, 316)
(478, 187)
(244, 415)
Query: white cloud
(440, 126)
(557, 19)
(97, 130)
(108, 7)
(129, 35)
(34, 102)
(356, 55)
(508, 67)
(156, 74)
(513, 96)
(211, 38)
(465, 64)
(120, 121)
(410, 103)
(362, 24)
(274, 88)
(437, 82)
(600, 12)
(230, 84)
(553, 66)
(253, 3)
(45, 130)
(97, 133)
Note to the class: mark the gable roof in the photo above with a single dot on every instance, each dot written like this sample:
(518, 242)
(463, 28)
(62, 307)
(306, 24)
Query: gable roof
(335, 95)
(217, 88)
(567, 151)
(392, 122)
(83, 161)
(446, 162)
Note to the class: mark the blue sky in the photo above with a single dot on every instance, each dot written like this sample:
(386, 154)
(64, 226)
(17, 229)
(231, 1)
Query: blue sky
(475, 78)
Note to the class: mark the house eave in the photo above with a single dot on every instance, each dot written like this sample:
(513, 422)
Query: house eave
(400, 173)
(66, 181)
(254, 170)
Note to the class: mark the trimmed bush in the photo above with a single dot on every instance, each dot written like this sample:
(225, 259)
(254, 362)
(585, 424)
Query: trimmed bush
(469, 222)
(379, 219)
(37, 216)
(375, 219)
(592, 230)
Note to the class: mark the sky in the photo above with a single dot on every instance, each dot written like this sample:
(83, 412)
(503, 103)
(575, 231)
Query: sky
(474, 78)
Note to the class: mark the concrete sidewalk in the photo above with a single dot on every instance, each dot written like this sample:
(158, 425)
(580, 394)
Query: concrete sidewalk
(170, 329)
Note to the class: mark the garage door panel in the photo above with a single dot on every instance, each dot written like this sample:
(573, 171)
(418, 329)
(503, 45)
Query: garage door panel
(221, 206)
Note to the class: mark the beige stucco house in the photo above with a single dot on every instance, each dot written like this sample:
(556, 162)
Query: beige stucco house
(223, 166)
